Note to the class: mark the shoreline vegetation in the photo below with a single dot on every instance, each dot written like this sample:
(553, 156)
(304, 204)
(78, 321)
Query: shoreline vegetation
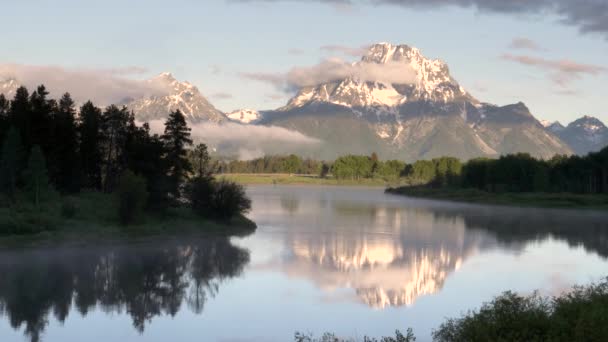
(299, 179)
(92, 172)
(578, 314)
(527, 199)
(95, 219)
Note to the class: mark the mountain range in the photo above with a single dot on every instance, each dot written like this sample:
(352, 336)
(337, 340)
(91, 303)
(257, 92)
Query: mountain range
(428, 116)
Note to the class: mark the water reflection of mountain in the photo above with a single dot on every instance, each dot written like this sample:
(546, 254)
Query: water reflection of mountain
(143, 280)
(390, 257)
(391, 251)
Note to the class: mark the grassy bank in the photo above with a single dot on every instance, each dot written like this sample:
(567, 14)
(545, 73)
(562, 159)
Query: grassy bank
(94, 214)
(287, 179)
(543, 200)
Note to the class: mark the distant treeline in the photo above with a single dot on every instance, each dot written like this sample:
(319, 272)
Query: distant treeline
(518, 173)
(347, 167)
(49, 146)
(510, 173)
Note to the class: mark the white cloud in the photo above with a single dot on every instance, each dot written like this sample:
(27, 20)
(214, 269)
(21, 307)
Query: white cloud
(335, 69)
(102, 86)
(247, 141)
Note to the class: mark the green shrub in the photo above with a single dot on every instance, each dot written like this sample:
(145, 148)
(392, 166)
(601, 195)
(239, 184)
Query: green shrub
(132, 197)
(218, 199)
(578, 315)
(228, 200)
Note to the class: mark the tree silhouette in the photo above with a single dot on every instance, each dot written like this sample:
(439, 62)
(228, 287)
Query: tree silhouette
(35, 176)
(176, 140)
(91, 142)
(10, 162)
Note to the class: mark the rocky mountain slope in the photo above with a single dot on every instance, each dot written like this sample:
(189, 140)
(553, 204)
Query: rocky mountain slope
(429, 117)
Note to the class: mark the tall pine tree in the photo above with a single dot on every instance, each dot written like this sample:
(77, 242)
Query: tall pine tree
(114, 127)
(19, 115)
(35, 176)
(10, 162)
(176, 139)
(65, 171)
(91, 142)
(41, 111)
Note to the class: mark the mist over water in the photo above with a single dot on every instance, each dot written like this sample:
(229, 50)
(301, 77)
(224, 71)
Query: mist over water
(348, 260)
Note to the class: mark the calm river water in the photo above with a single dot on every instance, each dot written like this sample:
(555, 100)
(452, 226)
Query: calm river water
(352, 261)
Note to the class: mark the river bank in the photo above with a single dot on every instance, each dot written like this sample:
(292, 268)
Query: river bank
(287, 179)
(541, 200)
(91, 215)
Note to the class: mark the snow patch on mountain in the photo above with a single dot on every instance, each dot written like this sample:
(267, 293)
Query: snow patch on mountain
(245, 116)
(8, 87)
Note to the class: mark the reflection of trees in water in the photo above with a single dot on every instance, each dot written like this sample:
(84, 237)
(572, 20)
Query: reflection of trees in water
(142, 280)
(290, 203)
(518, 226)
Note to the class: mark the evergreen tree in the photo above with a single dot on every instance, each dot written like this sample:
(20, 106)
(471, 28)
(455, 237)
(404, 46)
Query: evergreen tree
(35, 176)
(19, 115)
(202, 160)
(145, 158)
(65, 171)
(41, 121)
(176, 139)
(10, 162)
(114, 127)
(91, 142)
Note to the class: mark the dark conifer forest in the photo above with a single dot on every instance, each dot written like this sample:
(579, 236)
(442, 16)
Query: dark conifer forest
(51, 149)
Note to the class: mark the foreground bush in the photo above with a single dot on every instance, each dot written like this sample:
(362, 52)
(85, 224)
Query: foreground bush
(229, 199)
(132, 196)
(219, 199)
(579, 315)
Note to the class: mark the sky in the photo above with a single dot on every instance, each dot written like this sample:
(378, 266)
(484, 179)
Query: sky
(549, 54)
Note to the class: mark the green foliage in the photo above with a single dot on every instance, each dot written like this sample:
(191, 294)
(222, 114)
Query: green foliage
(578, 315)
(132, 196)
(292, 164)
(353, 167)
(270, 164)
(228, 200)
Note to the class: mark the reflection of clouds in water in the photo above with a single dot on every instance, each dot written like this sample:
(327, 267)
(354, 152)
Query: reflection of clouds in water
(391, 250)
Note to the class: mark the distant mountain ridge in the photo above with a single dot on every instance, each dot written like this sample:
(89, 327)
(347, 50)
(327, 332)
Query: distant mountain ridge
(584, 135)
(431, 117)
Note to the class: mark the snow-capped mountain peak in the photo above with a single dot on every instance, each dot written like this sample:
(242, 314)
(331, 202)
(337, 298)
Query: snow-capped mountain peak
(174, 95)
(589, 124)
(246, 116)
(432, 81)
